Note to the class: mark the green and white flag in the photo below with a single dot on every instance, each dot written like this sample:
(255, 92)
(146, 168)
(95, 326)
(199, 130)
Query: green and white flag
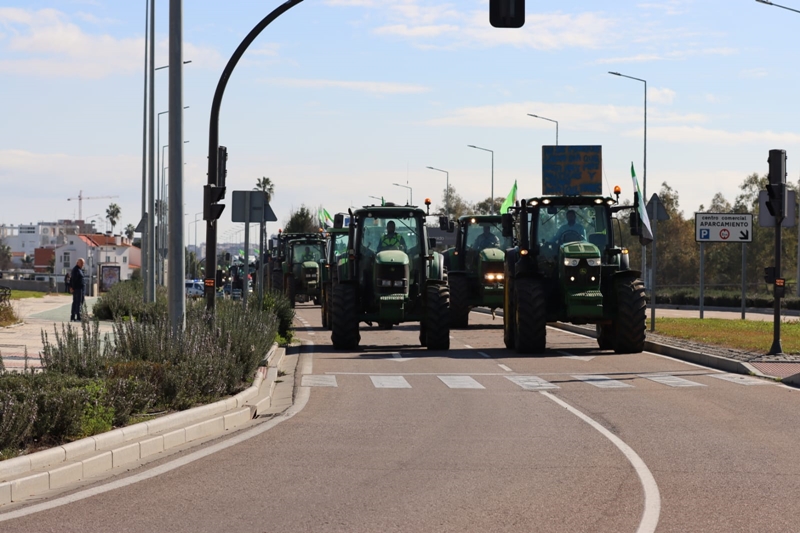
(647, 233)
(510, 199)
(325, 218)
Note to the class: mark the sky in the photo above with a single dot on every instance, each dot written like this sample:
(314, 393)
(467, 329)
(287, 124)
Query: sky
(338, 100)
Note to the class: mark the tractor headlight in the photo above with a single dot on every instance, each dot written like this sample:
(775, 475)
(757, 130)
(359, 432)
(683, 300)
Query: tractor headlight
(492, 277)
(384, 283)
(571, 262)
(399, 283)
(594, 262)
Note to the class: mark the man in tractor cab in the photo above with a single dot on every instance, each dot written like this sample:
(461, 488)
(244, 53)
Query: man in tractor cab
(487, 239)
(572, 226)
(308, 255)
(391, 240)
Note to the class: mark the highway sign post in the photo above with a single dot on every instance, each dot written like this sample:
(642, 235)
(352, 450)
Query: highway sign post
(723, 227)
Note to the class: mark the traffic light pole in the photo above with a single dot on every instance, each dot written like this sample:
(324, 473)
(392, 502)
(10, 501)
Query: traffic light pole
(776, 204)
(213, 147)
(776, 291)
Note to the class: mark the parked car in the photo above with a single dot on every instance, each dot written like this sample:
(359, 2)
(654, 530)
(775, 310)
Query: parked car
(194, 289)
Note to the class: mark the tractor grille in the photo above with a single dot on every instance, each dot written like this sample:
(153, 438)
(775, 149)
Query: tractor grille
(391, 279)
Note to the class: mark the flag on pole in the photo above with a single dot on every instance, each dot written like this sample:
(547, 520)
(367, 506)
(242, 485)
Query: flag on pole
(510, 199)
(325, 219)
(647, 233)
(383, 202)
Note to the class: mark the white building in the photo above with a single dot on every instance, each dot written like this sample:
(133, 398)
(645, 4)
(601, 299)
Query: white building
(98, 251)
(25, 238)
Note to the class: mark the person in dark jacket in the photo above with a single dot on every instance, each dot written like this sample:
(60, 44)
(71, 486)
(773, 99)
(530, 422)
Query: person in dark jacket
(77, 284)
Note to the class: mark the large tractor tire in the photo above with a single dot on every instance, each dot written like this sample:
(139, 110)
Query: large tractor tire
(531, 316)
(437, 319)
(289, 289)
(323, 309)
(631, 314)
(605, 336)
(276, 280)
(459, 298)
(344, 318)
(509, 312)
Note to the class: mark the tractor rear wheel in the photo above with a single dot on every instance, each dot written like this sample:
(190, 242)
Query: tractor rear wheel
(629, 326)
(344, 318)
(459, 298)
(605, 336)
(327, 305)
(289, 288)
(531, 316)
(323, 309)
(277, 280)
(437, 319)
(509, 312)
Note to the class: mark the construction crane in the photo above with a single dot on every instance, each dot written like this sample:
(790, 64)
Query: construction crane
(81, 198)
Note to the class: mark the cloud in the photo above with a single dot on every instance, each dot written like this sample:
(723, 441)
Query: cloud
(697, 134)
(47, 43)
(580, 116)
(753, 73)
(660, 96)
(674, 55)
(670, 7)
(377, 87)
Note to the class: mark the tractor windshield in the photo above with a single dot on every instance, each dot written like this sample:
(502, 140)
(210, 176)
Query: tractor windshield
(307, 251)
(396, 232)
(560, 224)
(485, 234)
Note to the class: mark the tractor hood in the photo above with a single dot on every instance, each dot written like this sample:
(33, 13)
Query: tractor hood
(580, 250)
(492, 254)
(310, 265)
(391, 257)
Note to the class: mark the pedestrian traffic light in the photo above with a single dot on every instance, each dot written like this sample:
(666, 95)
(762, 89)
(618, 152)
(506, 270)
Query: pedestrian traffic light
(507, 13)
(212, 195)
(776, 188)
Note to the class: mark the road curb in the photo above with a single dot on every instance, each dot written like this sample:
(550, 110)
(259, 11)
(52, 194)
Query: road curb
(34, 474)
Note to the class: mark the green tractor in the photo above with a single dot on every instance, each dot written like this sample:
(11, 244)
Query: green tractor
(336, 247)
(276, 258)
(301, 267)
(390, 275)
(475, 266)
(569, 266)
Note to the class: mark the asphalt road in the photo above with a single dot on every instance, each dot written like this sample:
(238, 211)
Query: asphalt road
(393, 437)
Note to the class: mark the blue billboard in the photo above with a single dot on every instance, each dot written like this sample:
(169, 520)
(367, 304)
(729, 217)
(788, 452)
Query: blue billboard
(572, 170)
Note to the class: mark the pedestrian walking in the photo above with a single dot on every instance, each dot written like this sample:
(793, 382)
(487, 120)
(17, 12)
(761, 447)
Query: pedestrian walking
(77, 284)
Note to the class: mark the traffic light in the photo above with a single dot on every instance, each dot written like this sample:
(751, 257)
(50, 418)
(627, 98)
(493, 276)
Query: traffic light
(212, 210)
(507, 13)
(776, 188)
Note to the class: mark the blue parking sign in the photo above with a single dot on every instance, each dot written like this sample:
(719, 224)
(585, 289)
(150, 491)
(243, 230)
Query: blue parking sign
(705, 233)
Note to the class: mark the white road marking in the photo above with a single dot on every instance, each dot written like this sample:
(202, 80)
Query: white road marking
(740, 379)
(486, 355)
(672, 381)
(461, 382)
(396, 356)
(319, 381)
(310, 332)
(603, 382)
(468, 347)
(390, 382)
(652, 497)
(532, 383)
(504, 367)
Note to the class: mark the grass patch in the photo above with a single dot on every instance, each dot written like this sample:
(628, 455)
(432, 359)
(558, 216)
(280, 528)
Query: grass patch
(19, 295)
(749, 335)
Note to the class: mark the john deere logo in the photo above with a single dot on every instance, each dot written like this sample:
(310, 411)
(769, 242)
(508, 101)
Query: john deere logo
(583, 271)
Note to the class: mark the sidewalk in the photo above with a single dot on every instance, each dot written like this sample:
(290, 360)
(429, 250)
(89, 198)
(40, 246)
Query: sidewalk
(37, 314)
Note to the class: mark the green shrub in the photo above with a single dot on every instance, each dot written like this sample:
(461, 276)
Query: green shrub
(82, 355)
(133, 388)
(279, 305)
(60, 402)
(17, 414)
(125, 299)
(97, 415)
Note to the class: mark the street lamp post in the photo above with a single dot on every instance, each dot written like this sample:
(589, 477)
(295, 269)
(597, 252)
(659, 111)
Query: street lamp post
(644, 176)
(410, 192)
(447, 196)
(777, 5)
(548, 119)
(491, 199)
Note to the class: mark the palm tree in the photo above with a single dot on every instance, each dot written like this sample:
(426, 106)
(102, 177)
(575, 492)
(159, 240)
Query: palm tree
(265, 184)
(112, 214)
(130, 229)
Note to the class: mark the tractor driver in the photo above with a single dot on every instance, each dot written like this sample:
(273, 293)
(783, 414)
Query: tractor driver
(308, 255)
(572, 226)
(487, 239)
(391, 240)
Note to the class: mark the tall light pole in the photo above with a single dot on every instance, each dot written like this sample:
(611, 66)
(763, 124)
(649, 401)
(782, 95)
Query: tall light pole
(644, 176)
(548, 119)
(447, 195)
(491, 199)
(410, 192)
(144, 244)
(797, 290)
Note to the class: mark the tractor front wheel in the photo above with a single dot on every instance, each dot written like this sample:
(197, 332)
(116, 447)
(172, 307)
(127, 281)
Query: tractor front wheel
(289, 288)
(459, 298)
(437, 319)
(509, 313)
(629, 326)
(605, 336)
(344, 315)
(531, 317)
(323, 309)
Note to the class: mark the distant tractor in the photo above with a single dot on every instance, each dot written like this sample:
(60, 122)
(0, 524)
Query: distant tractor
(301, 268)
(475, 266)
(390, 275)
(336, 247)
(569, 266)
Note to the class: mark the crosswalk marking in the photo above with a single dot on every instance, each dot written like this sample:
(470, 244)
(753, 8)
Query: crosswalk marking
(460, 382)
(532, 382)
(319, 381)
(603, 382)
(671, 381)
(740, 379)
(390, 382)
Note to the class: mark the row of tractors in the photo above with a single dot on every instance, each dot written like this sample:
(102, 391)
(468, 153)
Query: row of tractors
(547, 259)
